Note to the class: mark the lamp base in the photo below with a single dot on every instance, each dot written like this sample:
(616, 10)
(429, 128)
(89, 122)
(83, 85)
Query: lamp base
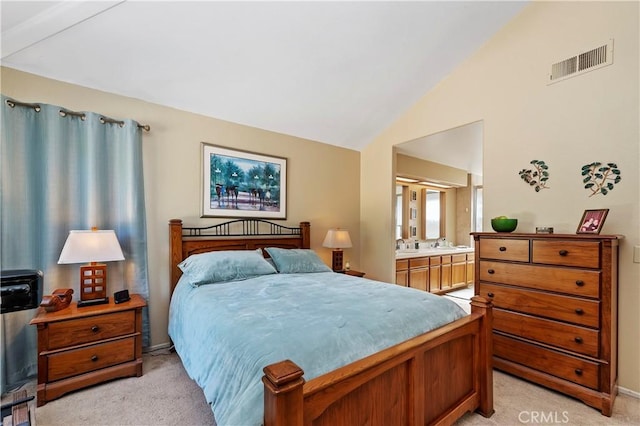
(92, 302)
(93, 282)
(336, 260)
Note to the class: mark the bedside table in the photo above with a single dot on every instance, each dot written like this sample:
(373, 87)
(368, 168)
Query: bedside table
(354, 273)
(86, 346)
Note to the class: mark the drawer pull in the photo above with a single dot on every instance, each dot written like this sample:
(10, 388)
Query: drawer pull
(578, 371)
(491, 271)
(95, 328)
(502, 248)
(579, 311)
(563, 252)
(94, 358)
(490, 294)
(578, 339)
(580, 283)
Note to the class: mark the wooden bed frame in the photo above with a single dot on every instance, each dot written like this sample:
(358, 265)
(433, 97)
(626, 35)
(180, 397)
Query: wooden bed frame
(433, 378)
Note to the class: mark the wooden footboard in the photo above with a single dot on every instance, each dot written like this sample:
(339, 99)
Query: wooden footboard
(434, 378)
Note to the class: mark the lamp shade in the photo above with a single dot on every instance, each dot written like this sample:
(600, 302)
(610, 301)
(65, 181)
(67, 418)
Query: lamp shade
(337, 238)
(91, 246)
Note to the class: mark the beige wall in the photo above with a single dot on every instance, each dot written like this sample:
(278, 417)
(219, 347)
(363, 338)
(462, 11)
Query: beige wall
(592, 117)
(323, 180)
(413, 167)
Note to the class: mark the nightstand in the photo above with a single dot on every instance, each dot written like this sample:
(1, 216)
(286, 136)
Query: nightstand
(80, 347)
(354, 273)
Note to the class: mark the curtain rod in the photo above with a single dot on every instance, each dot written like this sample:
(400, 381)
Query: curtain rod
(64, 112)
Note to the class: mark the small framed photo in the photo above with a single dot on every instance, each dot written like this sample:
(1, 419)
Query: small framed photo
(592, 221)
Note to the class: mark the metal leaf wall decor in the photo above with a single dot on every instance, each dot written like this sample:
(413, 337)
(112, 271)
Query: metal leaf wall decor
(600, 178)
(537, 177)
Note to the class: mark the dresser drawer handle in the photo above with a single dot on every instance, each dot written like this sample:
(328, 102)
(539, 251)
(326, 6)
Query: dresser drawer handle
(503, 248)
(491, 271)
(563, 252)
(578, 371)
(490, 294)
(95, 328)
(580, 283)
(579, 311)
(578, 339)
(94, 358)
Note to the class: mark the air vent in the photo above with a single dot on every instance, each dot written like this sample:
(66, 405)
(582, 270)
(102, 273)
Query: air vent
(582, 62)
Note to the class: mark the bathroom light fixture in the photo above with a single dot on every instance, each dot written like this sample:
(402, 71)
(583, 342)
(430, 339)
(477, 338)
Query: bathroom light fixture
(404, 179)
(437, 185)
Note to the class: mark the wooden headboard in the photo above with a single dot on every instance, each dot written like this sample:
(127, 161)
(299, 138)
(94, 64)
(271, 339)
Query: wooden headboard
(240, 234)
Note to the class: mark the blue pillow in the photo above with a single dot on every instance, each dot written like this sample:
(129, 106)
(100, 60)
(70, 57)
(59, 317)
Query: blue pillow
(291, 261)
(223, 266)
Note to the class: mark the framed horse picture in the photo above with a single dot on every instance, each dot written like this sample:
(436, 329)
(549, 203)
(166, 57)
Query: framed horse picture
(243, 184)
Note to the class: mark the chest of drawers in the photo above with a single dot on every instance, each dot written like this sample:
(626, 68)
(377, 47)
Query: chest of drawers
(87, 346)
(555, 310)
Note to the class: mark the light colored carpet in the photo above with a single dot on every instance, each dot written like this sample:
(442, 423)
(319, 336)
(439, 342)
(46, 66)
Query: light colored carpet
(462, 297)
(165, 395)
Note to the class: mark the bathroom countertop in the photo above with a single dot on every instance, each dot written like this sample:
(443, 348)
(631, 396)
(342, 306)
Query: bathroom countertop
(410, 253)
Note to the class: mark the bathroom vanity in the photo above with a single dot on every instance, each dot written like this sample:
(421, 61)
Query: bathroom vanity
(437, 270)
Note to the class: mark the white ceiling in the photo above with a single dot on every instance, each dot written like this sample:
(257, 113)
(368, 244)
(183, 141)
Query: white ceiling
(334, 72)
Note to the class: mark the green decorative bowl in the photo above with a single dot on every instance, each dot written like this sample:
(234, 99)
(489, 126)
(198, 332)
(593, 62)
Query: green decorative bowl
(504, 225)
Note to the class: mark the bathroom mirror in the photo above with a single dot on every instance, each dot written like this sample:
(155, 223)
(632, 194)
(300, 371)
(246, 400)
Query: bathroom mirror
(445, 170)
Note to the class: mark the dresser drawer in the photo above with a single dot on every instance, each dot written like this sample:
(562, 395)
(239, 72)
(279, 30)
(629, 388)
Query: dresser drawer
(435, 260)
(571, 337)
(577, 282)
(554, 306)
(558, 364)
(419, 262)
(79, 361)
(504, 249)
(90, 329)
(585, 254)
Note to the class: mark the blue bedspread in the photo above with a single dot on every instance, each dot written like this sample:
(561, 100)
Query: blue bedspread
(226, 333)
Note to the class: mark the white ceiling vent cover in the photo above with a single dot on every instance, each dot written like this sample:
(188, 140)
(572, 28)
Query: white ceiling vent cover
(582, 62)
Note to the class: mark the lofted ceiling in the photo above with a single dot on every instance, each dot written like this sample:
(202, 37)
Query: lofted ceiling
(334, 72)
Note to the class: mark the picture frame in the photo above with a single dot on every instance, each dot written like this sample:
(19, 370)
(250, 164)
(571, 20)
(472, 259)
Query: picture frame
(242, 184)
(592, 221)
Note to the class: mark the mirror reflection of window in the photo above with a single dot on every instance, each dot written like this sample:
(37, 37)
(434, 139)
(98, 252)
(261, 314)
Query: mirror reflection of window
(398, 212)
(432, 214)
(477, 208)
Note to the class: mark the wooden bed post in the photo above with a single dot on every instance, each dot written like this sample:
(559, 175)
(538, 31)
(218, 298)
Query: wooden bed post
(283, 400)
(483, 306)
(305, 231)
(175, 247)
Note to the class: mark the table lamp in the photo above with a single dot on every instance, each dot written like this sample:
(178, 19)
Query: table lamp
(337, 239)
(91, 246)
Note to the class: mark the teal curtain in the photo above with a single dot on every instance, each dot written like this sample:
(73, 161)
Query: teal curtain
(63, 171)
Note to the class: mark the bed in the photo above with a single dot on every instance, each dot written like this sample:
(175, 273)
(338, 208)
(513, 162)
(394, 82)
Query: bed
(274, 367)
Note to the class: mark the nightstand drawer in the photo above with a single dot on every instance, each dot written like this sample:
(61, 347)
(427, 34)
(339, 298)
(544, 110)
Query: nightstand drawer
(561, 365)
(571, 337)
(79, 361)
(563, 308)
(585, 254)
(90, 329)
(578, 282)
(504, 249)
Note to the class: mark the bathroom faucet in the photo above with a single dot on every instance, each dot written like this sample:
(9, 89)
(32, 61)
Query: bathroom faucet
(398, 242)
